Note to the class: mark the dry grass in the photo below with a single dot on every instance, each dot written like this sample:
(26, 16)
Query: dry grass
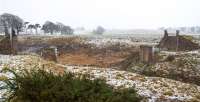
(66, 41)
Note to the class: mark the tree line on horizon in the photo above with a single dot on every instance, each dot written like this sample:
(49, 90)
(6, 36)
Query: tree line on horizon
(16, 24)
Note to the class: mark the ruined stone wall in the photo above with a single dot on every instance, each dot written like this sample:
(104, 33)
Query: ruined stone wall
(146, 54)
(177, 43)
(49, 53)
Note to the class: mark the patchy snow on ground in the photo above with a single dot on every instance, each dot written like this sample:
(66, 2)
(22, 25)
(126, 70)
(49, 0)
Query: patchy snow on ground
(153, 89)
(110, 41)
(6, 60)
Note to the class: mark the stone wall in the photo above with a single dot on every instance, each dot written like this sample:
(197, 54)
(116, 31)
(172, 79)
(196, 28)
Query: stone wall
(146, 54)
(49, 53)
(177, 43)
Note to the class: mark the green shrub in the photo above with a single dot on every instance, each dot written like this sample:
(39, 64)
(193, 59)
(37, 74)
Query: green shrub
(42, 86)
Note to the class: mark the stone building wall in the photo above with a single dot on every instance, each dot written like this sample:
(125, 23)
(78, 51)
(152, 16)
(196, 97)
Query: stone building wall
(177, 43)
(146, 54)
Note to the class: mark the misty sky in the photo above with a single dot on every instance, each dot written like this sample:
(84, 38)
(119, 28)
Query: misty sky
(112, 14)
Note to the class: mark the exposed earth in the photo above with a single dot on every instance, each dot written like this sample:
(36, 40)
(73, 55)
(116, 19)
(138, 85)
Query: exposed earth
(173, 78)
(153, 89)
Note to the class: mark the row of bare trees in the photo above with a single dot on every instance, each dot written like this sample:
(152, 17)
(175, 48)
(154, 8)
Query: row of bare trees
(31, 27)
(14, 24)
(50, 27)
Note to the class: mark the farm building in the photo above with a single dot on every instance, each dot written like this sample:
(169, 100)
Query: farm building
(177, 43)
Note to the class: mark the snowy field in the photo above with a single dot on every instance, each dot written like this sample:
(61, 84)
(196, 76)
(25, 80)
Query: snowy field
(154, 89)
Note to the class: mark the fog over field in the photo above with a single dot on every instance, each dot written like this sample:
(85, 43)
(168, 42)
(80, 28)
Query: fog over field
(99, 51)
(111, 14)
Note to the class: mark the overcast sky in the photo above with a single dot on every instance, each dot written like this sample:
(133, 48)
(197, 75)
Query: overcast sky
(117, 14)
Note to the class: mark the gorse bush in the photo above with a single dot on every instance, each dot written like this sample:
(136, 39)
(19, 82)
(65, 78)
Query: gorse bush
(43, 86)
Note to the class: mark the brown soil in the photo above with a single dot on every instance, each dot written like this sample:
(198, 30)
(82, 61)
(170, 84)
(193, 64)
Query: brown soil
(83, 58)
(75, 51)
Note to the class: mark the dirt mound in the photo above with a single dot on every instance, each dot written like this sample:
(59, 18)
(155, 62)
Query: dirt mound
(130, 61)
(183, 68)
(84, 58)
(75, 50)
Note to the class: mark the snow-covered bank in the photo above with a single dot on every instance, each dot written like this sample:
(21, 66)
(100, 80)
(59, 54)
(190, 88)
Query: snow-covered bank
(122, 42)
(154, 89)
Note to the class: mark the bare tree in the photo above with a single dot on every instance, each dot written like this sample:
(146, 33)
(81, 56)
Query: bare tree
(31, 27)
(59, 27)
(67, 30)
(99, 30)
(49, 27)
(25, 26)
(13, 22)
(63, 29)
(36, 27)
